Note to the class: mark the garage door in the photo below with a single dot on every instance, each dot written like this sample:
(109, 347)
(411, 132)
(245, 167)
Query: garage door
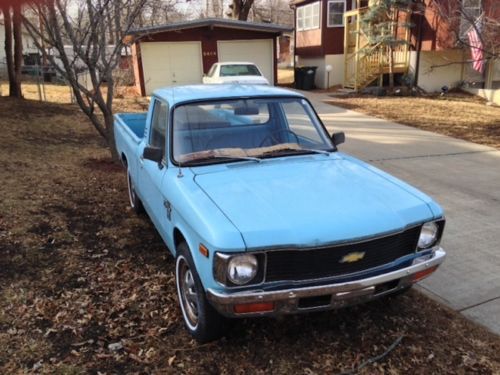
(260, 52)
(171, 63)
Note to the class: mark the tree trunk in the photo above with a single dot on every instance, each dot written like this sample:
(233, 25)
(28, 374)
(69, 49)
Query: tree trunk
(8, 48)
(391, 68)
(240, 9)
(109, 123)
(18, 51)
(245, 10)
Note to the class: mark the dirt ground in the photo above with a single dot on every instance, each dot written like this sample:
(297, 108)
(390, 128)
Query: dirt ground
(458, 115)
(80, 271)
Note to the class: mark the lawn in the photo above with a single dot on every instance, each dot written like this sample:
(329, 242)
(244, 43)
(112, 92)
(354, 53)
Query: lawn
(88, 286)
(458, 115)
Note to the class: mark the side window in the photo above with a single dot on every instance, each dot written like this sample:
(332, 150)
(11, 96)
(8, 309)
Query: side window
(159, 125)
(299, 122)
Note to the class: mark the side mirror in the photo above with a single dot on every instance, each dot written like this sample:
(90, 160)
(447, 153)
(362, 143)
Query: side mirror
(338, 138)
(153, 154)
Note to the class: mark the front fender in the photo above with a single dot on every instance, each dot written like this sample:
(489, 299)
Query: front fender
(200, 221)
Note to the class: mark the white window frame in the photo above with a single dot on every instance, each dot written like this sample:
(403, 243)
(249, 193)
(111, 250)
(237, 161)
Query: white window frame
(328, 13)
(315, 23)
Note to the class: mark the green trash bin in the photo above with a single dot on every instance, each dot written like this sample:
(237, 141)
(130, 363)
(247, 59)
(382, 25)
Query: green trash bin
(309, 75)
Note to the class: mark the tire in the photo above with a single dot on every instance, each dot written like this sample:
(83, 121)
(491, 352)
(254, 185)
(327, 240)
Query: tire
(135, 202)
(202, 321)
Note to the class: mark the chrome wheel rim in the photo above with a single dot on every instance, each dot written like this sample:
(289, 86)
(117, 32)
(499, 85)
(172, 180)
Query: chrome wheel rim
(186, 289)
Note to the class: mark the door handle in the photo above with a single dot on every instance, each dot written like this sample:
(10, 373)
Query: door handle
(141, 160)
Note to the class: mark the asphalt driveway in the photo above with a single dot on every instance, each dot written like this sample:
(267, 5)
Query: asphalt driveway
(464, 178)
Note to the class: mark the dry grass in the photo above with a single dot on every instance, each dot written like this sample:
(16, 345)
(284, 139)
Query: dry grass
(54, 93)
(125, 99)
(458, 115)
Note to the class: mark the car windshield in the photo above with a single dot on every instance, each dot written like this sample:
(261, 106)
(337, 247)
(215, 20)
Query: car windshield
(245, 130)
(239, 70)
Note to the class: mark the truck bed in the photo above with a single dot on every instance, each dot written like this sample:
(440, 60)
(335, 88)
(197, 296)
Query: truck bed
(129, 133)
(132, 123)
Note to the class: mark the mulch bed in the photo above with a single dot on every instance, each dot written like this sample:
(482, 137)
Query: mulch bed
(86, 286)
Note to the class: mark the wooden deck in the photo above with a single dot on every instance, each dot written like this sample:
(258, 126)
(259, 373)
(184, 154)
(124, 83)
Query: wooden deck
(364, 63)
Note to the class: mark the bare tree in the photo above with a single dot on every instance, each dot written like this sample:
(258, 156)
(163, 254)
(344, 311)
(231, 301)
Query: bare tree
(87, 32)
(13, 47)
(239, 9)
(462, 16)
(213, 8)
(18, 50)
(159, 12)
(275, 11)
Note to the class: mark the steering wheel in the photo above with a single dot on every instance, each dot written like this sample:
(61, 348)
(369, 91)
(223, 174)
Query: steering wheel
(271, 137)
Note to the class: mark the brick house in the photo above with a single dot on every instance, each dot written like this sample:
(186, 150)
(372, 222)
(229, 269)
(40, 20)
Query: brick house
(327, 34)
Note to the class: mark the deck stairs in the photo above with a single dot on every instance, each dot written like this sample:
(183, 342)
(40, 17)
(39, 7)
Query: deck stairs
(365, 63)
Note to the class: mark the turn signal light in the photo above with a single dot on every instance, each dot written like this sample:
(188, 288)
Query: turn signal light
(423, 274)
(203, 250)
(246, 308)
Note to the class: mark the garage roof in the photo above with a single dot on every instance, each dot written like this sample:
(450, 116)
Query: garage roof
(212, 22)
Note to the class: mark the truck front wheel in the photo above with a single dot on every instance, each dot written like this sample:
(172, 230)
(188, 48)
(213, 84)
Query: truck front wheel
(134, 200)
(203, 322)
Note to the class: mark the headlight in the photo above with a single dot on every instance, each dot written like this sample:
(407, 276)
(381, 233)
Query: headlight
(241, 269)
(428, 235)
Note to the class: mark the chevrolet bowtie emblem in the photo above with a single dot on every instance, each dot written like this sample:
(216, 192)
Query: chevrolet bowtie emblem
(352, 257)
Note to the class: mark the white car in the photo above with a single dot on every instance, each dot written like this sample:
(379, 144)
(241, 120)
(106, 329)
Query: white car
(235, 72)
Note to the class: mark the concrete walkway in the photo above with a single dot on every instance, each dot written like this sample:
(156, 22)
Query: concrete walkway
(464, 178)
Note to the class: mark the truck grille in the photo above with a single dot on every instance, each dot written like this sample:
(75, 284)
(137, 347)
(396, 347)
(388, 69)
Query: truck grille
(325, 262)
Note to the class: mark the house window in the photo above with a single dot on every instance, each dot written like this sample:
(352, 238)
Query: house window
(336, 9)
(308, 17)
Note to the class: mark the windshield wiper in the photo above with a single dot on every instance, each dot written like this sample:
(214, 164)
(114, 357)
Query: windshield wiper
(316, 151)
(215, 157)
(292, 151)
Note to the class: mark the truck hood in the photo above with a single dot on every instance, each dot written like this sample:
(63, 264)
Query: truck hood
(309, 201)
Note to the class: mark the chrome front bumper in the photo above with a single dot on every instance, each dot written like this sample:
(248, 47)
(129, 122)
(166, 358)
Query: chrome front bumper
(337, 295)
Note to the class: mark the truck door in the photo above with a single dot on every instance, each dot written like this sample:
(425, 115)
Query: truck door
(151, 174)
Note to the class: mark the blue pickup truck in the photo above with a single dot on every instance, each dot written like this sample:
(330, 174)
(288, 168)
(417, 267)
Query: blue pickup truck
(262, 212)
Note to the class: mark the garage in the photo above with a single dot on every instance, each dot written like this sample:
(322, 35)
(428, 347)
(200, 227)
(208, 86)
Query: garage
(180, 53)
(260, 52)
(181, 64)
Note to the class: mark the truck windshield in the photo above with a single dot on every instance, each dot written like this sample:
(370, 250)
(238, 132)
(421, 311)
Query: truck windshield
(246, 129)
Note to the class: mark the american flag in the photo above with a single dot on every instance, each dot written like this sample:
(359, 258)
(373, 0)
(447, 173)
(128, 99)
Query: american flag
(476, 48)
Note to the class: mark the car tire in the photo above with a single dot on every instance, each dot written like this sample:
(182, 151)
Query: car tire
(134, 200)
(202, 321)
